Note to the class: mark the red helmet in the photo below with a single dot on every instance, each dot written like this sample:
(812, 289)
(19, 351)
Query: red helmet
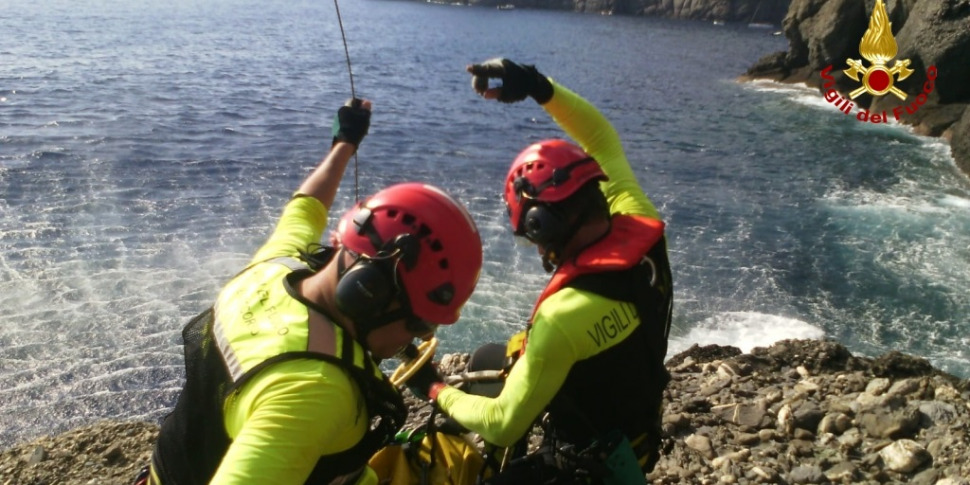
(548, 171)
(449, 252)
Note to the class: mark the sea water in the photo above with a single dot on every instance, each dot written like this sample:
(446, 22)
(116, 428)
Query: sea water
(146, 149)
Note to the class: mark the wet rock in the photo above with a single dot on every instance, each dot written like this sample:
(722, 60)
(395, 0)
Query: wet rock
(883, 423)
(934, 413)
(834, 423)
(898, 364)
(904, 455)
(700, 444)
(806, 474)
(959, 136)
(953, 481)
(878, 386)
(707, 353)
(844, 472)
(113, 454)
(745, 414)
(38, 455)
(808, 415)
(762, 428)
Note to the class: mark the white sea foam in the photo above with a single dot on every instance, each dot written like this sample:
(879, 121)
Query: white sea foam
(872, 202)
(744, 330)
(798, 93)
(954, 201)
(772, 86)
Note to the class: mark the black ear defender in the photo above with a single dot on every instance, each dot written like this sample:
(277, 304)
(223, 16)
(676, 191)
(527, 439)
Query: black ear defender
(369, 286)
(544, 225)
(365, 290)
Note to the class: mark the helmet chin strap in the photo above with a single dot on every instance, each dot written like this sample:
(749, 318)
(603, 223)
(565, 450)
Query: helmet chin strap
(548, 262)
(365, 328)
(552, 253)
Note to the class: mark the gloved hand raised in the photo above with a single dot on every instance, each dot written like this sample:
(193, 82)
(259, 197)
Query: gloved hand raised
(420, 383)
(351, 122)
(518, 81)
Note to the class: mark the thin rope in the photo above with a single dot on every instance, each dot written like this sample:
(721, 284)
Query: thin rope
(353, 92)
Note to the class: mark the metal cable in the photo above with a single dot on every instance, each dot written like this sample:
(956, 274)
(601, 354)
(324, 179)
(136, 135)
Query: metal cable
(353, 92)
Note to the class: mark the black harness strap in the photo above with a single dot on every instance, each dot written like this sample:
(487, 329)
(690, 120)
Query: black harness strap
(384, 406)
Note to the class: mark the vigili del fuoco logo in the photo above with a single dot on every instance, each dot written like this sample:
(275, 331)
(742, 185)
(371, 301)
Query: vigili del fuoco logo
(878, 46)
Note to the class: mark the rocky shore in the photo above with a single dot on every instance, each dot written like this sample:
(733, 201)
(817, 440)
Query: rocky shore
(823, 35)
(745, 11)
(932, 35)
(799, 411)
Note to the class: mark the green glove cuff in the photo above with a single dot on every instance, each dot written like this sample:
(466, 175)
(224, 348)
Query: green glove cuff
(350, 125)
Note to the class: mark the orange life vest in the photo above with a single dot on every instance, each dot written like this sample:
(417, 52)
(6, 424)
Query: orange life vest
(630, 237)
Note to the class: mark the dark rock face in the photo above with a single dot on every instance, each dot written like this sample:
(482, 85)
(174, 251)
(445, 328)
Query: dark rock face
(934, 35)
(937, 33)
(765, 11)
(960, 141)
(799, 411)
(823, 33)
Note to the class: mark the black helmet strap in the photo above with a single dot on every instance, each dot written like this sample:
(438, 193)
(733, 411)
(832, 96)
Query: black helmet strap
(523, 187)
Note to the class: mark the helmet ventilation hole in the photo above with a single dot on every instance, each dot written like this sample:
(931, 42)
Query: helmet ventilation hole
(423, 232)
(443, 294)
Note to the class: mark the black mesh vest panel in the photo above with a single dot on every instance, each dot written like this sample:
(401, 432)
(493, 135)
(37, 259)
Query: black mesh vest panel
(193, 440)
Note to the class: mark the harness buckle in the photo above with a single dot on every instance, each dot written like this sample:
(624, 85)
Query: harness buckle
(653, 269)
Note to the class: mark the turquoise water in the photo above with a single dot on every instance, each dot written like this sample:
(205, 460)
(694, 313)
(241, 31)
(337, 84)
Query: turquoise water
(146, 150)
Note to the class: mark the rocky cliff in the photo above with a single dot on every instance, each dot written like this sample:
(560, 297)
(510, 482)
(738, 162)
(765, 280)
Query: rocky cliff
(799, 411)
(933, 35)
(823, 35)
(748, 11)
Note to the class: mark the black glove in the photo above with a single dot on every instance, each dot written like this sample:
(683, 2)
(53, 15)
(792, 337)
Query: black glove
(351, 123)
(420, 383)
(518, 81)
